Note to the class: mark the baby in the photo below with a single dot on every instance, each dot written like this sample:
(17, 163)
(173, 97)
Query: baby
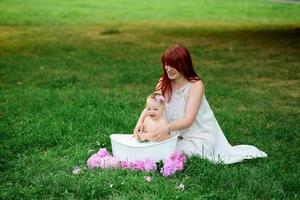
(155, 107)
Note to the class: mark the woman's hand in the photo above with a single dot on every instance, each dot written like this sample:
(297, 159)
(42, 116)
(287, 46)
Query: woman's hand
(162, 133)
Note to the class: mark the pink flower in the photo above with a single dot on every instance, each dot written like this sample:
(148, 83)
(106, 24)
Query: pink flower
(173, 164)
(103, 153)
(102, 159)
(150, 165)
(104, 163)
(114, 162)
(160, 98)
(178, 156)
(168, 168)
(138, 165)
(178, 165)
(125, 164)
(108, 162)
(94, 161)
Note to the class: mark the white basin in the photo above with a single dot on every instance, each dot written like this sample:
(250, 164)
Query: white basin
(126, 148)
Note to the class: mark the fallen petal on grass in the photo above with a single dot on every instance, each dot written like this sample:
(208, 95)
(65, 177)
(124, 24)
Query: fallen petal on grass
(180, 187)
(148, 178)
(76, 170)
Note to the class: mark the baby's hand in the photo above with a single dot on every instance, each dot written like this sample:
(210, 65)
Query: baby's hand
(145, 136)
(136, 136)
(142, 136)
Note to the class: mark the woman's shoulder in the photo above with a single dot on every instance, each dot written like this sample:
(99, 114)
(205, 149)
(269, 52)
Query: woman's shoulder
(197, 85)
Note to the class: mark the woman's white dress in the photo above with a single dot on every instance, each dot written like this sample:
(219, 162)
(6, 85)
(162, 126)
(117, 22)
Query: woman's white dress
(205, 138)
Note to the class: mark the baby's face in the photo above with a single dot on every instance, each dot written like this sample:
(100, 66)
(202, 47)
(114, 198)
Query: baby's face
(154, 109)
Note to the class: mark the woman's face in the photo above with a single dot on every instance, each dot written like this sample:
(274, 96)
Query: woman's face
(154, 109)
(172, 72)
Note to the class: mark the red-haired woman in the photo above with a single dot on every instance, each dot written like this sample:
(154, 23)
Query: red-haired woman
(189, 113)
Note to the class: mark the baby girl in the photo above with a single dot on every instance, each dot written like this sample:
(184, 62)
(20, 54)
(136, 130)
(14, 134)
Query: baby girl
(155, 117)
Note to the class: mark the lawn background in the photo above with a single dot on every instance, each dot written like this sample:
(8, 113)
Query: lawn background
(74, 72)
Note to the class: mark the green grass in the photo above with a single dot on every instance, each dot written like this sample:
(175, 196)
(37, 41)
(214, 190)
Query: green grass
(74, 72)
(57, 12)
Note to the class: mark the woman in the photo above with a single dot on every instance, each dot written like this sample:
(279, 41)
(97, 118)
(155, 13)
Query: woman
(189, 113)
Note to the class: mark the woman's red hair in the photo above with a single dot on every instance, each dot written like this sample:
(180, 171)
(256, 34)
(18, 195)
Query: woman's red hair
(178, 57)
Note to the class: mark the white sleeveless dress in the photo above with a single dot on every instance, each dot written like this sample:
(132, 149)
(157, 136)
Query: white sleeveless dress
(205, 138)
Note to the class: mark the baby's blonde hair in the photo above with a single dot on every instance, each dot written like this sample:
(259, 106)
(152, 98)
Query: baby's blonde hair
(157, 97)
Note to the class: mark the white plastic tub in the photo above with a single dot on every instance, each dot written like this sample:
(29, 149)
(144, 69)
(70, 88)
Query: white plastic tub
(126, 148)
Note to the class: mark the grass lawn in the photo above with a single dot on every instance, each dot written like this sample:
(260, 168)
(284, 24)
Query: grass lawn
(74, 72)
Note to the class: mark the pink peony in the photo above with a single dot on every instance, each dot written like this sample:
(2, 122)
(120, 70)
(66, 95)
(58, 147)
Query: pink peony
(168, 168)
(150, 165)
(102, 159)
(178, 156)
(173, 164)
(138, 165)
(114, 162)
(108, 162)
(125, 164)
(178, 165)
(93, 161)
(103, 153)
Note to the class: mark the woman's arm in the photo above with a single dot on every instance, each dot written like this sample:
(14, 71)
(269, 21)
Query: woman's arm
(192, 108)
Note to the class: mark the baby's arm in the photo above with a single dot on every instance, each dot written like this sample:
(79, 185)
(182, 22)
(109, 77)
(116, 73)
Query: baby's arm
(145, 135)
(142, 136)
(139, 125)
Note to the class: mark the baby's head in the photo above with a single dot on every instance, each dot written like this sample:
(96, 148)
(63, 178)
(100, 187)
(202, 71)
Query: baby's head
(155, 106)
